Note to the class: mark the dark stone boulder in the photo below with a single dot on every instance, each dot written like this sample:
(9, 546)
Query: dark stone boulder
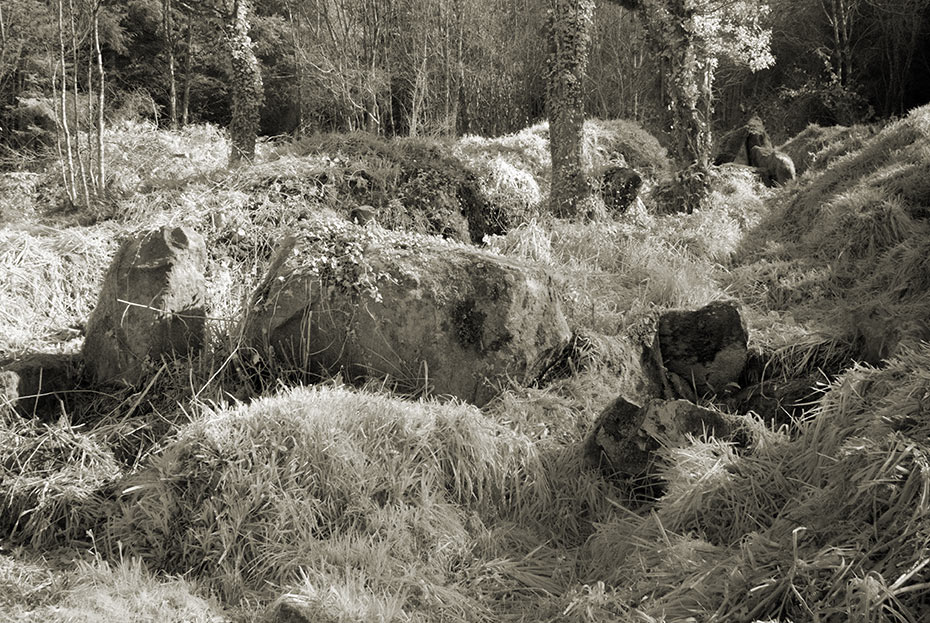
(429, 315)
(620, 187)
(778, 401)
(775, 167)
(626, 436)
(735, 146)
(363, 214)
(704, 349)
(151, 306)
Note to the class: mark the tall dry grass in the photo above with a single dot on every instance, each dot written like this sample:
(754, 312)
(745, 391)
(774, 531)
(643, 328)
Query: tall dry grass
(312, 480)
(831, 524)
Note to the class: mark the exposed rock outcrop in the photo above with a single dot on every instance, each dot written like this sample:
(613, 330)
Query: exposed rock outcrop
(150, 306)
(427, 314)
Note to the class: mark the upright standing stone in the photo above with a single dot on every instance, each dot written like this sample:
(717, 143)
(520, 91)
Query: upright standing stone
(150, 306)
(707, 347)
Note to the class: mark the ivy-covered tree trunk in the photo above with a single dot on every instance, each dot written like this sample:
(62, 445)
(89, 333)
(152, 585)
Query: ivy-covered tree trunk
(690, 68)
(569, 41)
(245, 83)
(689, 86)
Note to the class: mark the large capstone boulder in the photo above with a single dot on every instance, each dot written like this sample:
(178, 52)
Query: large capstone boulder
(626, 436)
(705, 349)
(151, 306)
(432, 316)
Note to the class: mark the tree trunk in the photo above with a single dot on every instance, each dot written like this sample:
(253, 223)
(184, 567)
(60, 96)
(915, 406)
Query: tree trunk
(188, 64)
(298, 70)
(74, 105)
(67, 163)
(245, 84)
(569, 37)
(101, 155)
(168, 27)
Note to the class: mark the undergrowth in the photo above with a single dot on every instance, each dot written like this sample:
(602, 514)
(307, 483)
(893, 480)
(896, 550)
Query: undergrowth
(360, 506)
(832, 524)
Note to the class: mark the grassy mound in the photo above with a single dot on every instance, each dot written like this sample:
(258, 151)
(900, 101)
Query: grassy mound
(845, 250)
(816, 146)
(412, 183)
(830, 525)
(607, 140)
(322, 482)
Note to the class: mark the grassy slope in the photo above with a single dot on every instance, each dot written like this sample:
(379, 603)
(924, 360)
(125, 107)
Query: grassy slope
(434, 511)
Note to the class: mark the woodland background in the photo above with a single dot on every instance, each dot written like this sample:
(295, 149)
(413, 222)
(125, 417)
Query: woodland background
(447, 67)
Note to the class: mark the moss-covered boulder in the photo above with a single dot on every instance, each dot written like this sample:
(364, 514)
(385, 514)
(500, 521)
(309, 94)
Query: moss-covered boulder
(431, 315)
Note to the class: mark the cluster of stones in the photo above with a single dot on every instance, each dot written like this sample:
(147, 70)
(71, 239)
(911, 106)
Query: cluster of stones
(434, 318)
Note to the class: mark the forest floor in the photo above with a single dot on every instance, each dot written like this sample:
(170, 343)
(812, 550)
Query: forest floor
(203, 498)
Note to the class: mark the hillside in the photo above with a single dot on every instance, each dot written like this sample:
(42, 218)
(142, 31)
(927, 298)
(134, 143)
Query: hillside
(224, 489)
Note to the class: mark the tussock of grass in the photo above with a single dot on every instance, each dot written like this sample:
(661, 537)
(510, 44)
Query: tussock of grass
(50, 280)
(832, 523)
(526, 150)
(528, 241)
(320, 479)
(321, 599)
(27, 586)
(55, 482)
(101, 592)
